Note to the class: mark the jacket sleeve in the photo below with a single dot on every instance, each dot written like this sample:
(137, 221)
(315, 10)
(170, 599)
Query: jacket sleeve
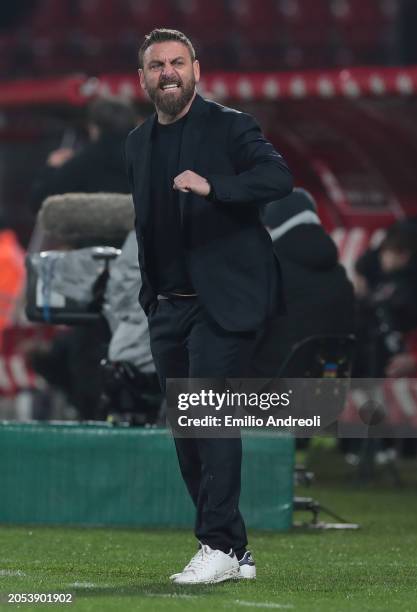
(261, 172)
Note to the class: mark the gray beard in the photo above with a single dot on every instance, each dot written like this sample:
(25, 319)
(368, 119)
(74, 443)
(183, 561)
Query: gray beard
(172, 105)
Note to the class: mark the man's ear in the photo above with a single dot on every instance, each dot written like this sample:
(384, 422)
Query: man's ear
(196, 70)
(141, 79)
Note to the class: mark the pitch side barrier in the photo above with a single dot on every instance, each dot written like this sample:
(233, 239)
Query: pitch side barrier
(97, 474)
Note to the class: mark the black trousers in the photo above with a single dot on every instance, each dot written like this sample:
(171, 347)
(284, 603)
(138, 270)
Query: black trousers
(186, 343)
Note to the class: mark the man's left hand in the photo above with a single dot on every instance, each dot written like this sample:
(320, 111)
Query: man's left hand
(189, 181)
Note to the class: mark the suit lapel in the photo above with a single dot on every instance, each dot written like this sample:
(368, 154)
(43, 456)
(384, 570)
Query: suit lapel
(144, 170)
(191, 139)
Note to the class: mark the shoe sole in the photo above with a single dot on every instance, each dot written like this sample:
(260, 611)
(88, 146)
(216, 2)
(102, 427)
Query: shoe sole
(252, 573)
(240, 577)
(229, 575)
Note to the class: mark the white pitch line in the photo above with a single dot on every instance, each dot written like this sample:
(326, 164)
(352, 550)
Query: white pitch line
(258, 604)
(12, 573)
(174, 595)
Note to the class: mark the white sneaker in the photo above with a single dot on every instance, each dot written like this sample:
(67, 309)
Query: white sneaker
(247, 567)
(209, 566)
(190, 564)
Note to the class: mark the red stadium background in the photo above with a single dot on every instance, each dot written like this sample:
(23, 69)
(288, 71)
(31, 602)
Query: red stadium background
(332, 82)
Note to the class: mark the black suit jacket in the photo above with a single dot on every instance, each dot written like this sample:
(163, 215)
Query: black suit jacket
(229, 254)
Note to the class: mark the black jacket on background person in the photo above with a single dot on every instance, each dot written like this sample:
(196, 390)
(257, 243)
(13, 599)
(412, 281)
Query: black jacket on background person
(318, 294)
(99, 166)
(229, 254)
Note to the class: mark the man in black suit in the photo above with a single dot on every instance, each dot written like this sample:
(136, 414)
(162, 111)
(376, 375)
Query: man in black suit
(199, 173)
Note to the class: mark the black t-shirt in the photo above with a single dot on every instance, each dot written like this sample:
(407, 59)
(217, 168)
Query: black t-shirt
(168, 258)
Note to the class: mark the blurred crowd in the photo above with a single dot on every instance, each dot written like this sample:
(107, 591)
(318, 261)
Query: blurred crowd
(49, 37)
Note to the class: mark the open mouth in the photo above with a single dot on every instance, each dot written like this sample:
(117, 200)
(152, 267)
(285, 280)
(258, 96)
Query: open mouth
(170, 86)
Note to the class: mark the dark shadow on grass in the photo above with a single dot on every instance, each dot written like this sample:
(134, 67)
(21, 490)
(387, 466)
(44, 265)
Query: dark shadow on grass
(150, 589)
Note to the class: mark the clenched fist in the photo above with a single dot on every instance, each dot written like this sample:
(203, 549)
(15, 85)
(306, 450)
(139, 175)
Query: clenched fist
(190, 181)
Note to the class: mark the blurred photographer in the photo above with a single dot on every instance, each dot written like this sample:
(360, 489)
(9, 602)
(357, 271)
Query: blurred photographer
(387, 307)
(99, 166)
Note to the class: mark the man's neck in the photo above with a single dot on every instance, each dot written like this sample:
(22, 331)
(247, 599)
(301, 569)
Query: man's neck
(166, 119)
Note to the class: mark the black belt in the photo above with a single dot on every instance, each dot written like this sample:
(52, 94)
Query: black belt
(175, 296)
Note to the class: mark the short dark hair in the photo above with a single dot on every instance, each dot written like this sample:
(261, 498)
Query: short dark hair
(401, 238)
(163, 35)
(112, 114)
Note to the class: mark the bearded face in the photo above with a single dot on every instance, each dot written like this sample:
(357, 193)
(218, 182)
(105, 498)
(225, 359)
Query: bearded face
(169, 76)
(171, 95)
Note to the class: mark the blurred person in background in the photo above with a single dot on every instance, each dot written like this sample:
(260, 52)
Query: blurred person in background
(386, 287)
(318, 295)
(386, 321)
(73, 360)
(99, 165)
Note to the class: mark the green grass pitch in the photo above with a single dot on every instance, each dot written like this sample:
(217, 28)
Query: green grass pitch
(374, 569)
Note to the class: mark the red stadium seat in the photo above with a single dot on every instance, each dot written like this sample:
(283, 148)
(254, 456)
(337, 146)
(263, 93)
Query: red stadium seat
(254, 57)
(146, 15)
(257, 21)
(371, 12)
(93, 55)
(99, 18)
(51, 56)
(51, 16)
(307, 28)
(363, 27)
(301, 57)
(205, 20)
(7, 52)
(308, 13)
